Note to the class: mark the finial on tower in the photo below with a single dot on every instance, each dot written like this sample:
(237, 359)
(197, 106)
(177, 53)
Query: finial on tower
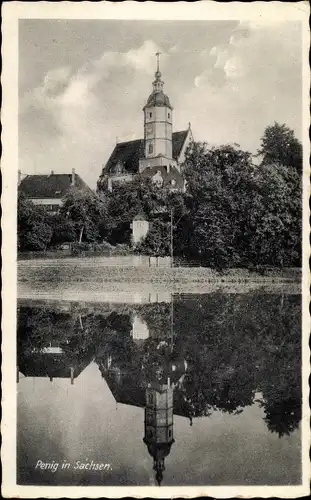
(158, 72)
(158, 61)
(159, 477)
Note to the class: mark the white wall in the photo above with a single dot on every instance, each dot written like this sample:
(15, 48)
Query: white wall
(46, 201)
(140, 330)
(140, 229)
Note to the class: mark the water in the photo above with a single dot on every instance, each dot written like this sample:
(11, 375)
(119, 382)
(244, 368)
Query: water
(216, 378)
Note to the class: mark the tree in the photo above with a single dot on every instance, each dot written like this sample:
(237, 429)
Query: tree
(239, 214)
(273, 225)
(280, 146)
(218, 198)
(33, 229)
(157, 241)
(64, 230)
(129, 199)
(84, 212)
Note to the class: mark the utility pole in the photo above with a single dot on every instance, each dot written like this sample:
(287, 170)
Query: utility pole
(172, 322)
(172, 240)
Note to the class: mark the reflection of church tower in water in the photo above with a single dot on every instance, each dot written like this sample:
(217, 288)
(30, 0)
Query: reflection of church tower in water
(159, 424)
(159, 402)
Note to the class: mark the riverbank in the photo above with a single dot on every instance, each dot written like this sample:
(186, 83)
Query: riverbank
(85, 278)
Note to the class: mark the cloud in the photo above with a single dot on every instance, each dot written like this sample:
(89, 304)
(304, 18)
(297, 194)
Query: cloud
(247, 81)
(56, 80)
(247, 46)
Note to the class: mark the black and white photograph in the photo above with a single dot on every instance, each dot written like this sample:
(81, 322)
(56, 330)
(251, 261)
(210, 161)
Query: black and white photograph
(155, 222)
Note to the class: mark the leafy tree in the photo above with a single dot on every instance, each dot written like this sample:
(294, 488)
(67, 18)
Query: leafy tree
(219, 194)
(64, 229)
(157, 241)
(84, 213)
(129, 199)
(273, 224)
(33, 229)
(280, 146)
(239, 214)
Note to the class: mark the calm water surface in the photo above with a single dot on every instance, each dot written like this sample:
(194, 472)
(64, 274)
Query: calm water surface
(181, 390)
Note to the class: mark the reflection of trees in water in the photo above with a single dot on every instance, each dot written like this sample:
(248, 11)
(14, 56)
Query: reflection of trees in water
(235, 346)
(239, 345)
(282, 412)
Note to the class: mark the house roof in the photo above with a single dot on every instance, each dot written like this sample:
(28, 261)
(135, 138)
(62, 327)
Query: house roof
(50, 365)
(50, 186)
(129, 153)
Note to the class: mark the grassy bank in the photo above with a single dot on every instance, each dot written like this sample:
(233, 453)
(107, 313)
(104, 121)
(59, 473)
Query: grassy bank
(88, 279)
(94, 270)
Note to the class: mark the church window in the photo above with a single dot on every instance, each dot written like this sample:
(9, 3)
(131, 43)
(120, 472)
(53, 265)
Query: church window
(150, 115)
(173, 182)
(150, 150)
(150, 398)
(169, 433)
(168, 115)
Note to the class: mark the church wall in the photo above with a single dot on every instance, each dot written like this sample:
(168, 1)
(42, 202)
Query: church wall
(163, 146)
(155, 162)
(158, 113)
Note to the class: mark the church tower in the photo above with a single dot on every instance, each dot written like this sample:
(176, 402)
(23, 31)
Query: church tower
(158, 119)
(159, 424)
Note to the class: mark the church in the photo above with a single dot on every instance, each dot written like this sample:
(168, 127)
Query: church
(159, 155)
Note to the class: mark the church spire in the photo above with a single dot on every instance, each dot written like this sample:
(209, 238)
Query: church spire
(159, 467)
(158, 83)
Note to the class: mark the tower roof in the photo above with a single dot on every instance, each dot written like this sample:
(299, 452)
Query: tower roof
(158, 451)
(158, 98)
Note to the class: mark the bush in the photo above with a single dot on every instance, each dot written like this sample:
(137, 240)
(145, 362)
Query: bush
(122, 249)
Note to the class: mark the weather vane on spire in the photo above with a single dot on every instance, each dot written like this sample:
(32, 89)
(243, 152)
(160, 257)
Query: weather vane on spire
(158, 60)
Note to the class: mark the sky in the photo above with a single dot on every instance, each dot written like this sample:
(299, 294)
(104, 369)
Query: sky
(83, 84)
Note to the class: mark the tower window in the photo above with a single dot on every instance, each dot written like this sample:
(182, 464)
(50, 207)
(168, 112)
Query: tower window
(150, 149)
(150, 399)
(168, 115)
(173, 182)
(150, 115)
